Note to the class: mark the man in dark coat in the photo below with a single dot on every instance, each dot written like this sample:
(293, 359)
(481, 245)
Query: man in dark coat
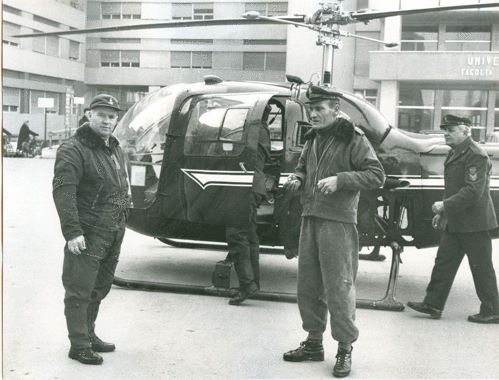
(466, 216)
(336, 163)
(24, 133)
(91, 194)
(85, 118)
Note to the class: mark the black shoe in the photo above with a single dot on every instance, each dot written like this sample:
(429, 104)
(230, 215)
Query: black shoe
(99, 346)
(308, 350)
(242, 296)
(343, 364)
(425, 308)
(480, 318)
(85, 355)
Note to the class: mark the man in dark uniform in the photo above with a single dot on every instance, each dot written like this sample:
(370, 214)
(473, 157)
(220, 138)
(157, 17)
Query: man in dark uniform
(90, 190)
(336, 163)
(466, 216)
(85, 118)
(24, 134)
(243, 242)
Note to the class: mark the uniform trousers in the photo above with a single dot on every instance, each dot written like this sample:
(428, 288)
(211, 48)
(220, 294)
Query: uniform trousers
(328, 260)
(87, 279)
(453, 246)
(244, 248)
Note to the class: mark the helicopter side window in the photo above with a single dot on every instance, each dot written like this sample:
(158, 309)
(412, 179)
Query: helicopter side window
(215, 129)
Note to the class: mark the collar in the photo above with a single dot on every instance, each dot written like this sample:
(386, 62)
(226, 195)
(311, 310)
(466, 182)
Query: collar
(341, 128)
(87, 136)
(462, 147)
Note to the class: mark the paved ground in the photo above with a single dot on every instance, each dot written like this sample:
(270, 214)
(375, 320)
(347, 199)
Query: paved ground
(175, 336)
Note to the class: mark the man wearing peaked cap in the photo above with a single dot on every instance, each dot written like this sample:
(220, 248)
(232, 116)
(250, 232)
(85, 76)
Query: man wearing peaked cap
(318, 94)
(104, 100)
(466, 216)
(336, 163)
(451, 120)
(90, 191)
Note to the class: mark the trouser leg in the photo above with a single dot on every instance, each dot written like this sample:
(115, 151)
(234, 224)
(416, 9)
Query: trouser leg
(104, 279)
(310, 293)
(254, 240)
(478, 247)
(243, 248)
(339, 257)
(449, 256)
(79, 274)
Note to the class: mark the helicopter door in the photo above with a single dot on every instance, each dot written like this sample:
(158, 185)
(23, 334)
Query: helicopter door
(220, 148)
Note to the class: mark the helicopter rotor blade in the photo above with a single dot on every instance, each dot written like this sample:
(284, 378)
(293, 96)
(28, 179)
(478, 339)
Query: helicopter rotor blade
(169, 24)
(367, 16)
(253, 15)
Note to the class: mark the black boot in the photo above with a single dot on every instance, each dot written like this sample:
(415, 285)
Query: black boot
(85, 355)
(343, 364)
(310, 349)
(98, 345)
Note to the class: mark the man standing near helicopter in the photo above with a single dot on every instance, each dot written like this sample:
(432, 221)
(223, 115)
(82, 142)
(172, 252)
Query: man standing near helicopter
(243, 242)
(466, 216)
(336, 163)
(90, 190)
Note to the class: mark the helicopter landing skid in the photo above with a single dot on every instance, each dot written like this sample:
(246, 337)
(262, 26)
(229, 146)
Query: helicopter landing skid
(388, 302)
(221, 288)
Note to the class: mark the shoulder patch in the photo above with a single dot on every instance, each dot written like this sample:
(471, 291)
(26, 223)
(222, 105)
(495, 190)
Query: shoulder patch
(359, 131)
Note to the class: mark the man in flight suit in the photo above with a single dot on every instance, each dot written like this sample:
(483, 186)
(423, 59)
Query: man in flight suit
(466, 216)
(336, 163)
(90, 190)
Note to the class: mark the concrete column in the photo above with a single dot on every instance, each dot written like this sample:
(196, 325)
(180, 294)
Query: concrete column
(388, 101)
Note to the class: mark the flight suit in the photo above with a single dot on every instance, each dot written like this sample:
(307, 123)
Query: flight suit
(329, 246)
(470, 215)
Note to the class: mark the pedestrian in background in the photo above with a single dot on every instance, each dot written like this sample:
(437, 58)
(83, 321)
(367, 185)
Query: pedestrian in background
(466, 216)
(24, 134)
(85, 118)
(90, 190)
(336, 163)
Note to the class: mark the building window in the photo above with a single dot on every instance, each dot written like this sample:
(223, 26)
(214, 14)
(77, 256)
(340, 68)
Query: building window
(203, 11)
(268, 9)
(181, 11)
(9, 9)
(468, 38)
(9, 29)
(362, 4)
(264, 42)
(46, 45)
(119, 40)
(419, 38)
(191, 60)
(264, 61)
(370, 96)
(11, 99)
(35, 95)
(120, 58)
(185, 41)
(46, 21)
(416, 108)
(120, 11)
(75, 4)
(74, 50)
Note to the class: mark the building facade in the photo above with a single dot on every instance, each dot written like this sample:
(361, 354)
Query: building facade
(447, 62)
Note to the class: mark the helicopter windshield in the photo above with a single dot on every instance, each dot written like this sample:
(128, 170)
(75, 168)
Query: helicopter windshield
(142, 130)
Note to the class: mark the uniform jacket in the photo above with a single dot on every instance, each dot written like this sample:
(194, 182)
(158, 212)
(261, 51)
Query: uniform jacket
(90, 186)
(348, 155)
(24, 133)
(468, 206)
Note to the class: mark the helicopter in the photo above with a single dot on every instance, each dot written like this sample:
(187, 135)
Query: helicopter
(192, 149)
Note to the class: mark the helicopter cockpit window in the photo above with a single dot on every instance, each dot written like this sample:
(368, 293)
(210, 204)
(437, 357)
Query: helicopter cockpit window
(216, 125)
(275, 120)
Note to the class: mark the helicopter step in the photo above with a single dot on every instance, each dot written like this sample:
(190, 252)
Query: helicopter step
(221, 287)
